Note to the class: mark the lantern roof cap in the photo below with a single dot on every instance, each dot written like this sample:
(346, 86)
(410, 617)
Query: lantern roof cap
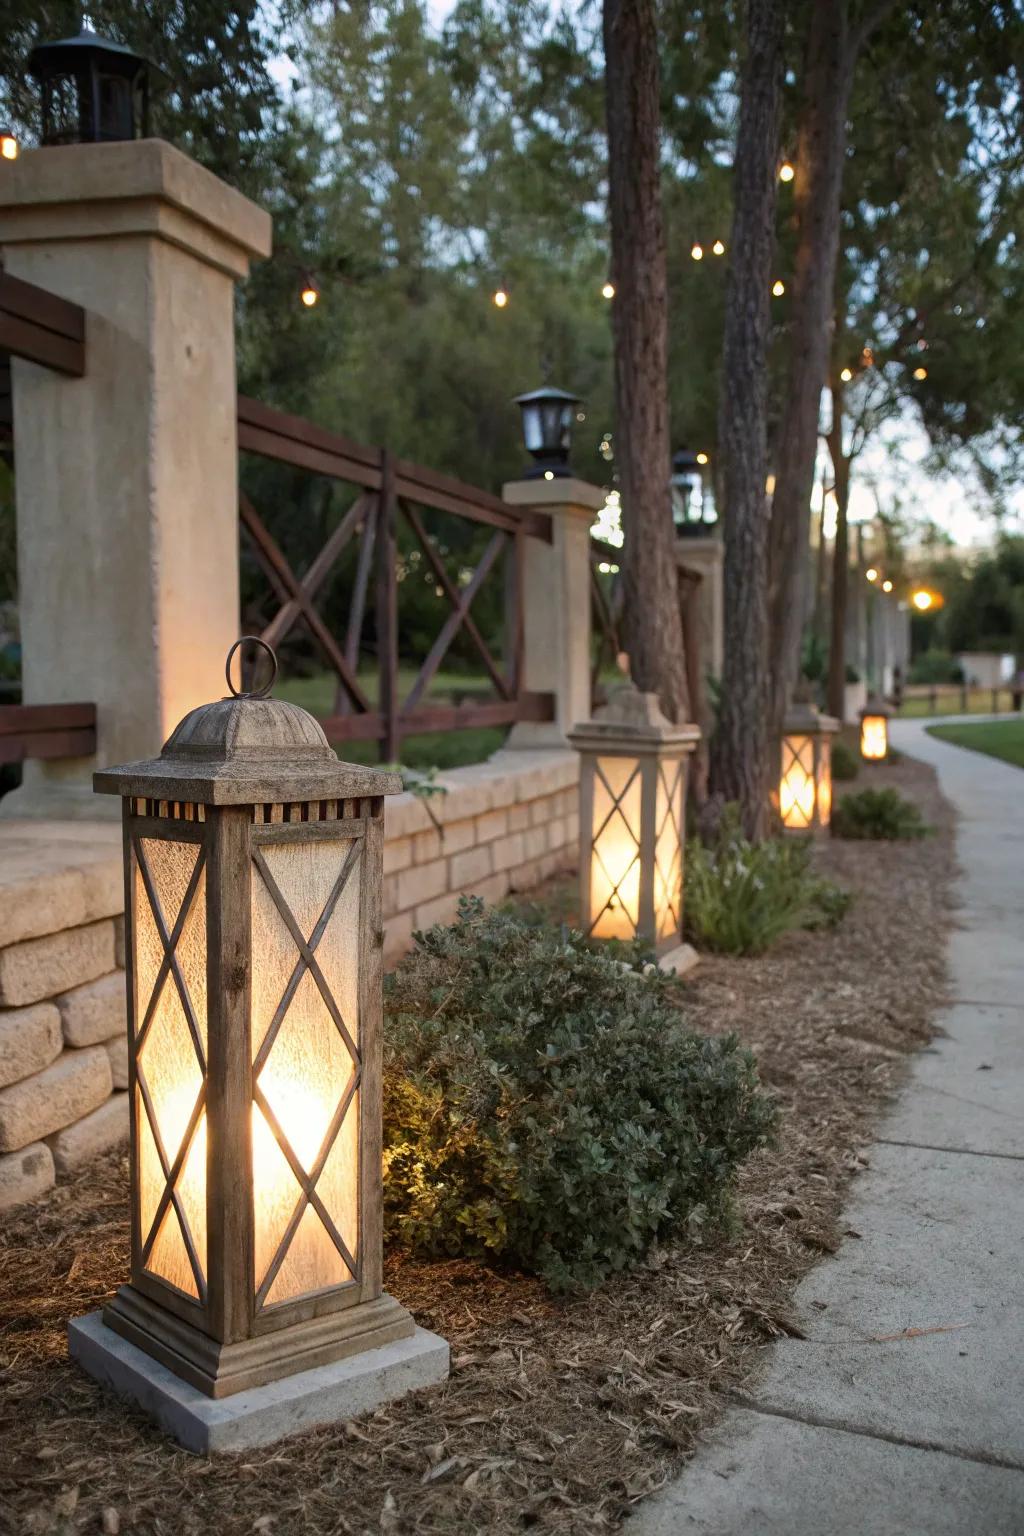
(247, 750)
(803, 717)
(546, 392)
(634, 721)
(876, 705)
(66, 50)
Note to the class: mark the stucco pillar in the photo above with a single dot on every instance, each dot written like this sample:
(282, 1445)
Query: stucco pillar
(556, 598)
(704, 556)
(126, 479)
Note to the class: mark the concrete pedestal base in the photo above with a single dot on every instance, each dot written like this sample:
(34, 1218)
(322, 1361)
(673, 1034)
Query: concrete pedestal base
(326, 1395)
(680, 960)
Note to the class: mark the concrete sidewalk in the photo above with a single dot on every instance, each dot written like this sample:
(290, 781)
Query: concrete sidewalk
(844, 1435)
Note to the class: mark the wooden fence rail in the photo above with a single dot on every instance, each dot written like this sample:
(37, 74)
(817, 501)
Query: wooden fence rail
(46, 731)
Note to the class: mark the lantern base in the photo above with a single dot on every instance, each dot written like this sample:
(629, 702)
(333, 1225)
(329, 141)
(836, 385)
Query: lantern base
(328, 1394)
(221, 1370)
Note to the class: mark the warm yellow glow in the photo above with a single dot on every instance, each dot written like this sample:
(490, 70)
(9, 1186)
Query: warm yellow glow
(778, 288)
(874, 737)
(920, 373)
(786, 171)
(886, 586)
(697, 251)
(719, 247)
(846, 375)
(615, 849)
(549, 474)
(668, 850)
(824, 782)
(769, 485)
(500, 298)
(8, 146)
(702, 458)
(608, 291)
(797, 787)
(871, 573)
(310, 294)
(307, 1070)
(924, 599)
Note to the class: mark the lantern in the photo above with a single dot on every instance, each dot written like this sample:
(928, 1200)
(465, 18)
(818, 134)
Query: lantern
(693, 512)
(632, 820)
(874, 730)
(253, 937)
(547, 430)
(93, 91)
(805, 782)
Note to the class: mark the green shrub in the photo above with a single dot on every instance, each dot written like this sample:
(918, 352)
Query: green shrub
(936, 666)
(740, 896)
(877, 813)
(845, 761)
(547, 1108)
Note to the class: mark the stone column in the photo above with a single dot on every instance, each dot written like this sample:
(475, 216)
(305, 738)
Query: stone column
(127, 478)
(556, 599)
(703, 556)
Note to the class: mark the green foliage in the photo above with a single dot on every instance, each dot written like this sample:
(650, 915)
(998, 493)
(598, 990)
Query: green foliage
(845, 762)
(877, 813)
(545, 1108)
(741, 896)
(936, 666)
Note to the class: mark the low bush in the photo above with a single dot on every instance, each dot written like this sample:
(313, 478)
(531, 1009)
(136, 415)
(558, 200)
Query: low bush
(547, 1108)
(877, 813)
(740, 896)
(845, 761)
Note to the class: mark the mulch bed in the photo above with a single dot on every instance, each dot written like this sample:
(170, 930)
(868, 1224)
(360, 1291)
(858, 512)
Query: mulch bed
(557, 1416)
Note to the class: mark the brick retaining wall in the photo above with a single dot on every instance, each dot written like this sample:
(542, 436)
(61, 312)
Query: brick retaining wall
(505, 825)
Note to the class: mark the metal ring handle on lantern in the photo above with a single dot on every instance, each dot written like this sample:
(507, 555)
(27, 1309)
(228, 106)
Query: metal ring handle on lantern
(254, 693)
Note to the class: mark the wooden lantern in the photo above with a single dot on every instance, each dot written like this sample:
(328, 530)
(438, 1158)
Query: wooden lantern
(874, 730)
(805, 779)
(253, 940)
(632, 820)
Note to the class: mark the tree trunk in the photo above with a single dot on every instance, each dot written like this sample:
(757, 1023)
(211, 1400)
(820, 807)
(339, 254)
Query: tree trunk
(652, 618)
(817, 190)
(840, 561)
(742, 759)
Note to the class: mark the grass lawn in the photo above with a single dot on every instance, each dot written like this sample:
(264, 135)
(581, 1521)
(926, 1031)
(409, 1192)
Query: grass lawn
(996, 738)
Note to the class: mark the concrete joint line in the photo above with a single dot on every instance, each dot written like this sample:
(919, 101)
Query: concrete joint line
(819, 1421)
(928, 1146)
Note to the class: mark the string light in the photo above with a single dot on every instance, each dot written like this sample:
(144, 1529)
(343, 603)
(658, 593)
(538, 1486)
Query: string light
(924, 599)
(719, 247)
(500, 297)
(846, 375)
(8, 145)
(920, 373)
(309, 292)
(697, 251)
(608, 291)
(867, 358)
(871, 573)
(786, 171)
(778, 288)
(886, 586)
(769, 485)
(702, 458)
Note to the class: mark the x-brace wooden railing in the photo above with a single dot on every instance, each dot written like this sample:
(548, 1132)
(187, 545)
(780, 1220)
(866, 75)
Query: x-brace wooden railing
(392, 489)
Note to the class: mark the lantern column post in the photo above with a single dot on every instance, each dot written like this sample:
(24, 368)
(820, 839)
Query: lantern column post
(126, 481)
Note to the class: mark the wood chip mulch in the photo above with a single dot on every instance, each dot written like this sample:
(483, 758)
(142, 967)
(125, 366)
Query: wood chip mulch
(557, 1416)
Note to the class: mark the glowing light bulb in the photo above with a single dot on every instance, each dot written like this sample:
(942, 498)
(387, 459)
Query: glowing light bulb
(310, 294)
(778, 288)
(769, 485)
(920, 373)
(702, 458)
(846, 375)
(697, 251)
(608, 291)
(786, 171)
(719, 247)
(500, 298)
(922, 601)
(549, 474)
(871, 573)
(8, 145)
(886, 586)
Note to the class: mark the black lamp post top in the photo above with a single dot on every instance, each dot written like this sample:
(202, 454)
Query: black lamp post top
(547, 429)
(93, 90)
(685, 461)
(68, 52)
(546, 392)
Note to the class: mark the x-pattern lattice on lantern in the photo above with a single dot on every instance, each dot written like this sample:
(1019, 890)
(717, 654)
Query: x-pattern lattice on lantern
(632, 810)
(253, 933)
(804, 798)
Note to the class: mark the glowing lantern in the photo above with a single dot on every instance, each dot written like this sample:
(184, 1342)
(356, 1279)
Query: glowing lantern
(632, 820)
(874, 730)
(805, 781)
(253, 862)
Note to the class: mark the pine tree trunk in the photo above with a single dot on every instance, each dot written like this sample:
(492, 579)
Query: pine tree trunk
(840, 561)
(817, 189)
(742, 761)
(651, 608)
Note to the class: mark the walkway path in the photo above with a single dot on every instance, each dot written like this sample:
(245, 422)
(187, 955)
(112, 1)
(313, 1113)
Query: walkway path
(844, 1436)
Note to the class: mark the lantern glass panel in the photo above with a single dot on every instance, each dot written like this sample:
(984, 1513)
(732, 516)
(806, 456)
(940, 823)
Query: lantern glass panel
(533, 432)
(874, 737)
(305, 1041)
(797, 786)
(824, 776)
(615, 860)
(169, 910)
(668, 850)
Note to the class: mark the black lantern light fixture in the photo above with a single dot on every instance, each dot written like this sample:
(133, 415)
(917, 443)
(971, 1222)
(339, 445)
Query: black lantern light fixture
(693, 512)
(93, 91)
(547, 430)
